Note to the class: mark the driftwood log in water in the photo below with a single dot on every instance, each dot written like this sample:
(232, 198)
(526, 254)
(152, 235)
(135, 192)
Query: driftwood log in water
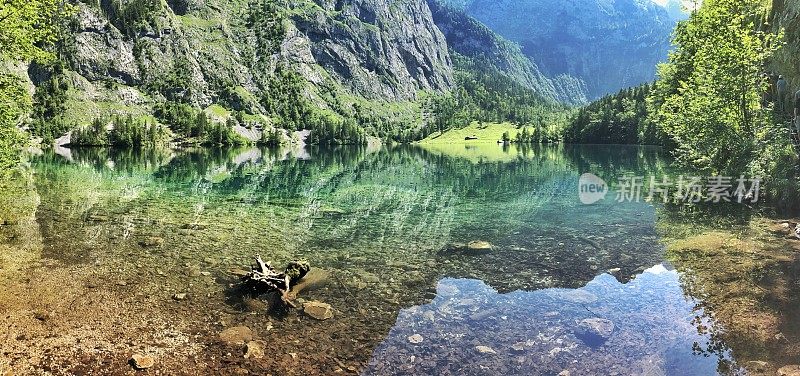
(264, 279)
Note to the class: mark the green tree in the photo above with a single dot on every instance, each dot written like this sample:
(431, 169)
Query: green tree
(708, 95)
(28, 31)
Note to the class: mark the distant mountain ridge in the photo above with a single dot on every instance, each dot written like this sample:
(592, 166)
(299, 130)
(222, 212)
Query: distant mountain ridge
(609, 44)
(468, 37)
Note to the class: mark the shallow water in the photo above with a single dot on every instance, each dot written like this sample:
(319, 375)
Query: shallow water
(379, 221)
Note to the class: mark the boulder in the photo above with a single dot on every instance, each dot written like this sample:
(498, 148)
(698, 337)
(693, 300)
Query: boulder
(594, 331)
(318, 310)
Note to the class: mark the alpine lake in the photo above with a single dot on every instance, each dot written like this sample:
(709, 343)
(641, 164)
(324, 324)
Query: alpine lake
(106, 254)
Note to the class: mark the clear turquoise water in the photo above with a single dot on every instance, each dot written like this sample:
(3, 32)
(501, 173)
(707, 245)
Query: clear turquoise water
(379, 221)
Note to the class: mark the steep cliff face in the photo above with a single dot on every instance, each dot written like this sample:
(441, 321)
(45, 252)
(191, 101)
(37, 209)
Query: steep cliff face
(139, 52)
(379, 49)
(608, 44)
(468, 37)
(784, 15)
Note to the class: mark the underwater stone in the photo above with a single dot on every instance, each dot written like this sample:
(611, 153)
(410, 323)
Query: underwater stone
(318, 310)
(594, 331)
(140, 361)
(236, 336)
(254, 350)
(791, 370)
(152, 241)
(415, 339)
(757, 366)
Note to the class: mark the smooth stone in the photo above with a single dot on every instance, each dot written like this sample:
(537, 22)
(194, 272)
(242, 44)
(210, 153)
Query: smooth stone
(236, 335)
(254, 350)
(580, 296)
(181, 296)
(192, 272)
(485, 350)
(594, 331)
(790, 370)
(140, 361)
(415, 339)
(479, 246)
(318, 310)
(239, 272)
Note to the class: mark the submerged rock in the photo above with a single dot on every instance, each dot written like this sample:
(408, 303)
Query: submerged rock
(473, 247)
(415, 339)
(254, 350)
(479, 246)
(757, 366)
(791, 370)
(140, 361)
(237, 335)
(318, 310)
(151, 241)
(179, 297)
(594, 331)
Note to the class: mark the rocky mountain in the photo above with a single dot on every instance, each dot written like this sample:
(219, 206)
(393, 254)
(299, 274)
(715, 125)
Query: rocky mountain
(609, 44)
(126, 56)
(469, 38)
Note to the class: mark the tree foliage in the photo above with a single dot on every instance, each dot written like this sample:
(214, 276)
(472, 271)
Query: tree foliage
(124, 132)
(621, 118)
(708, 97)
(28, 30)
(486, 95)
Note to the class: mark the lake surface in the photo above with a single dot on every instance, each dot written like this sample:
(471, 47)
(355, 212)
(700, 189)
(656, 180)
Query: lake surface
(103, 241)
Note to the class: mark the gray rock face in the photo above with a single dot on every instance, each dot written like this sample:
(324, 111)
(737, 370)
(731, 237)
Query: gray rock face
(101, 51)
(378, 48)
(200, 52)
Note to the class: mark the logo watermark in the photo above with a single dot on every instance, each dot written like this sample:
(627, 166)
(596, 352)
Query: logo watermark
(591, 189)
(689, 189)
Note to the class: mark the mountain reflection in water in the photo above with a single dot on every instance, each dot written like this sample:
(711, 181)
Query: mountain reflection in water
(471, 329)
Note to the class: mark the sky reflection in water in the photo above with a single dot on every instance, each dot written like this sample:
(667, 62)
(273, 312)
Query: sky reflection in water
(534, 332)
